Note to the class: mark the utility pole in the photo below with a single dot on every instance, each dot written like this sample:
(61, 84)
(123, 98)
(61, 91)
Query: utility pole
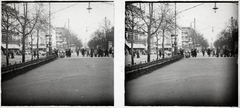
(194, 34)
(233, 41)
(105, 30)
(68, 35)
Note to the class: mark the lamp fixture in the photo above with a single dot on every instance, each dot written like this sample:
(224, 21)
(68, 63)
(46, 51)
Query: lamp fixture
(215, 8)
(89, 8)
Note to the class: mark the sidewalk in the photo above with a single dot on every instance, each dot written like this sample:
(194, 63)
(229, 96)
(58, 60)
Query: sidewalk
(143, 59)
(16, 59)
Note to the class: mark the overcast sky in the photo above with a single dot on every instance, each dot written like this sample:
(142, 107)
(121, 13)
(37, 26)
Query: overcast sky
(206, 18)
(81, 21)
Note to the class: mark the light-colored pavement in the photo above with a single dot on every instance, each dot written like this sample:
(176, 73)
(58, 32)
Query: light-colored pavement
(16, 59)
(65, 81)
(191, 81)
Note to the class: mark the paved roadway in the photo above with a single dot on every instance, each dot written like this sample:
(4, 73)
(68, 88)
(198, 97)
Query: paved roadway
(201, 81)
(65, 81)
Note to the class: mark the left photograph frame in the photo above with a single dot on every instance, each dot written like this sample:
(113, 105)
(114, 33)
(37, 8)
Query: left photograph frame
(57, 53)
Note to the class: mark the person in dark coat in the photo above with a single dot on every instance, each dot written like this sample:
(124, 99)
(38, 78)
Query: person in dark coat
(217, 52)
(66, 52)
(203, 52)
(92, 51)
(195, 52)
(70, 53)
(106, 53)
(34, 54)
(192, 53)
(209, 52)
(77, 51)
(83, 52)
(160, 53)
(12, 54)
(232, 53)
(138, 54)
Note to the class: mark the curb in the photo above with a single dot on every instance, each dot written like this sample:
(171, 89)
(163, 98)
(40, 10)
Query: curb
(135, 71)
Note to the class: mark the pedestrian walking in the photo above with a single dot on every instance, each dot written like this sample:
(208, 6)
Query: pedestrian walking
(83, 52)
(160, 53)
(34, 54)
(209, 52)
(192, 53)
(95, 52)
(138, 54)
(203, 52)
(106, 53)
(92, 52)
(232, 53)
(217, 52)
(12, 54)
(70, 53)
(77, 51)
(213, 52)
(112, 51)
(195, 52)
(225, 52)
(221, 52)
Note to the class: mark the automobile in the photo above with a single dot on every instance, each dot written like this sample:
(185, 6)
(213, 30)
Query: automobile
(167, 53)
(27, 53)
(153, 53)
(42, 53)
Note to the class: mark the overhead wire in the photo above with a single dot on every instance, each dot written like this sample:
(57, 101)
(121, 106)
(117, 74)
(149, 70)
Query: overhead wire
(190, 8)
(64, 8)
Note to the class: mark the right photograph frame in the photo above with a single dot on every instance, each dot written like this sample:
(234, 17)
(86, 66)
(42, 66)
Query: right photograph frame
(181, 53)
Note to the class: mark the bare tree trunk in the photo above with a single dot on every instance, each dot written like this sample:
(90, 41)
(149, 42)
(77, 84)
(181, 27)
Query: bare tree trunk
(7, 57)
(157, 48)
(23, 47)
(37, 44)
(24, 32)
(149, 46)
(132, 57)
(31, 48)
(149, 32)
(163, 44)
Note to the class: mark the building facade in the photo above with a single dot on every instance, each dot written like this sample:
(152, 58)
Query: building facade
(188, 38)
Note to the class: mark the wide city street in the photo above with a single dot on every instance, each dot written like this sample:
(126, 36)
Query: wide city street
(65, 81)
(200, 81)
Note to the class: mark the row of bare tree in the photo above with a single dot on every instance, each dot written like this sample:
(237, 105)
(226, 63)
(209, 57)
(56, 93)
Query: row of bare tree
(28, 20)
(102, 35)
(23, 18)
(228, 37)
(154, 19)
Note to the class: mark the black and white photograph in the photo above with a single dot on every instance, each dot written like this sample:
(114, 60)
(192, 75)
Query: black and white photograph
(181, 53)
(57, 53)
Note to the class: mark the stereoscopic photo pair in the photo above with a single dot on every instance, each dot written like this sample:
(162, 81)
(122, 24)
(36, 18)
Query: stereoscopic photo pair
(62, 53)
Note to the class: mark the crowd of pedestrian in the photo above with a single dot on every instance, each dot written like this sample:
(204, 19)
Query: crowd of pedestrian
(220, 52)
(95, 52)
(211, 52)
